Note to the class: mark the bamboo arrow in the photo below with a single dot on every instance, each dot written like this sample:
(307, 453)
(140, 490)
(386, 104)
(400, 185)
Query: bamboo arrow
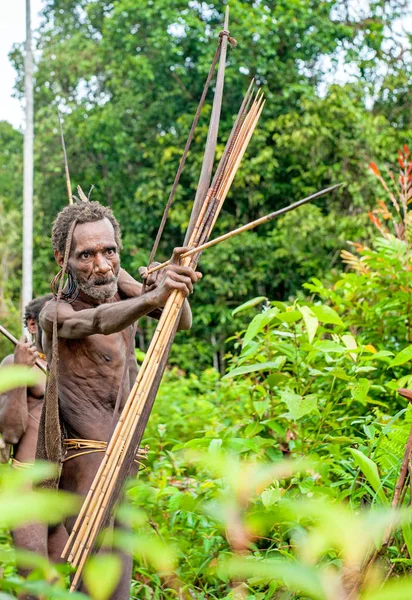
(247, 227)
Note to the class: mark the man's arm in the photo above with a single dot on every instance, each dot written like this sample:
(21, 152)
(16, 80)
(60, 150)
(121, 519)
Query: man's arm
(111, 318)
(130, 288)
(105, 319)
(13, 404)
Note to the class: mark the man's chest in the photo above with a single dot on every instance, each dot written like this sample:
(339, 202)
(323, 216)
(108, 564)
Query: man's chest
(102, 353)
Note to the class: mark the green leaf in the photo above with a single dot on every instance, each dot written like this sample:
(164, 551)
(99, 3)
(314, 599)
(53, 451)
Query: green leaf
(258, 323)
(407, 535)
(370, 471)
(256, 367)
(101, 575)
(340, 373)
(243, 444)
(326, 314)
(42, 505)
(261, 407)
(290, 316)
(311, 322)
(299, 406)
(350, 344)
(253, 429)
(329, 346)
(360, 390)
(399, 589)
(17, 376)
(248, 304)
(271, 496)
(403, 357)
(295, 575)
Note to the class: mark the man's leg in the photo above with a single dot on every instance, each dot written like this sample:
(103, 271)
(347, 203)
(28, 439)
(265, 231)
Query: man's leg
(57, 539)
(32, 537)
(77, 476)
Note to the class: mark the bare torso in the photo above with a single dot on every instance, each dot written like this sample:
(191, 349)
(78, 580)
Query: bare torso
(90, 372)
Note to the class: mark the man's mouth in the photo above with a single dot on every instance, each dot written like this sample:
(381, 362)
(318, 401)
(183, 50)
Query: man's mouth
(99, 288)
(104, 281)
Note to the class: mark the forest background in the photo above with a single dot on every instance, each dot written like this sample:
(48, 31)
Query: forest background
(315, 357)
(127, 76)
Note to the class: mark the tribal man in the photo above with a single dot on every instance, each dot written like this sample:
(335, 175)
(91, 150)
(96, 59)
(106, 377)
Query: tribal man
(20, 408)
(20, 411)
(94, 329)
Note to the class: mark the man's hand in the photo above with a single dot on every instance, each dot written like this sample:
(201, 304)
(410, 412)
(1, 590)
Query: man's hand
(162, 283)
(25, 352)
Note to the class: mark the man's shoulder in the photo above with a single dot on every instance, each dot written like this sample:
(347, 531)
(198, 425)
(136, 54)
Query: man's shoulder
(48, 312)
(7, 361)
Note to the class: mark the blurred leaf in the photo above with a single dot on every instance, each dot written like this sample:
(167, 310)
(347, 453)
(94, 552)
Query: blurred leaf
(407, 535)
(18, 376)
(102, 574)
(400, 589)
(296, 576)
(153, 549)
(271, 496)
(41, 505)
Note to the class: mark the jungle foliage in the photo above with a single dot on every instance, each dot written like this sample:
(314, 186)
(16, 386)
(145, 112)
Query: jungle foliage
(274, 477)
(127, 76)
(278, 479)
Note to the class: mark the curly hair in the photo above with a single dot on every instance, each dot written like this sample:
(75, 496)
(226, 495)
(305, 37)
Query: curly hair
(33, 308)
(87, 212)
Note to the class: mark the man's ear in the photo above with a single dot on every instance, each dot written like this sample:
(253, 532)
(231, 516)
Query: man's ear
(32, 325)
(59, 258)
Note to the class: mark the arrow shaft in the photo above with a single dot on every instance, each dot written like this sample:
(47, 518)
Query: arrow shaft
(249, 226)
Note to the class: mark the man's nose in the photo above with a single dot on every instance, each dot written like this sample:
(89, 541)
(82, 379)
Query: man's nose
(101, 265)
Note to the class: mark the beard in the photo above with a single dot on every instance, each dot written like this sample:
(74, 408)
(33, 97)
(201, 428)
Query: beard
(99, 288)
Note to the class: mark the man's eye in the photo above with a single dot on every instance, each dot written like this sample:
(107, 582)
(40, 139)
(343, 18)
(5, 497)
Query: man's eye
(85, 255)
(111, 252)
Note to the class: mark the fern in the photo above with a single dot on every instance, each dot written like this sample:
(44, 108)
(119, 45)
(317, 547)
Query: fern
(392, 447)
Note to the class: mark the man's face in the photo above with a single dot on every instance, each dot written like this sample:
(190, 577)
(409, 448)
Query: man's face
(32, 325)
(94, 260)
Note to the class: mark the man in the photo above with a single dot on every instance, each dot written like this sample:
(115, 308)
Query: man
(20, 411)
(20, 408)
(94, 330)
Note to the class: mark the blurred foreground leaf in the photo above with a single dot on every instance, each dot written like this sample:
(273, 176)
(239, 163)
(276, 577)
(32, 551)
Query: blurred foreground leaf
(102, 574)
(16, 376)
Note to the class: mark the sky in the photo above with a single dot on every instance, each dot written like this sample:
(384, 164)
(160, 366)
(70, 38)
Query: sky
(12, 30)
